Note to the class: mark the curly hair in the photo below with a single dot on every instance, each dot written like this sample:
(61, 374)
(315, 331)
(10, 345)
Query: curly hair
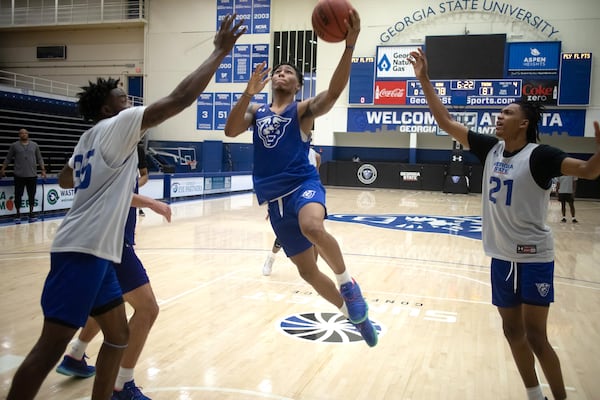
(533, 112)
(94, 97)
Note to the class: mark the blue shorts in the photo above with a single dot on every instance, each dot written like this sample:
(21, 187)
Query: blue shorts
(77, 286)
(131, 274)
(284, 220)
(517, 283)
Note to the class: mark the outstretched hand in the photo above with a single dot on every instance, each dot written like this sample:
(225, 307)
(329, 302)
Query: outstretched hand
(353, 27)
(259, 78)
(419, 63)
(227, 36)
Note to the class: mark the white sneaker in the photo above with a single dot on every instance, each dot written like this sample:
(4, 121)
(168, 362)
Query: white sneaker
(268, 266)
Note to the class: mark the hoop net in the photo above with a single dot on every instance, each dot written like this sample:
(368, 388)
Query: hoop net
(192, 164)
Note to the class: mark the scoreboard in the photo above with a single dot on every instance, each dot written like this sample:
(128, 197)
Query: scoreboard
(465, 92)
(385, 80)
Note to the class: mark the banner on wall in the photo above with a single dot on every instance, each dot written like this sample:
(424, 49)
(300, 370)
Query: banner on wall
(261, 16)
(241, 62)
(534, 58)
(409, 120)
(205, 112)
(224, 72)
(391, 62)
(256, 14)
(48, 197)
(222, 108)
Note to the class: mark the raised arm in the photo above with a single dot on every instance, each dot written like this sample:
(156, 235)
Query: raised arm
(190, 88)
(589, 169)
(441, 114)
(241, 115)
(309, 109)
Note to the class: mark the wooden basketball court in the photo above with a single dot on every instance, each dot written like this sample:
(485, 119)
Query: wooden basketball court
(226, 332)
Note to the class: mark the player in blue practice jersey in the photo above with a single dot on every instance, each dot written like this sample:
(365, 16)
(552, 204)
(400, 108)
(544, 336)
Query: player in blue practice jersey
(284, 178)
(82, 281)
(517, 178)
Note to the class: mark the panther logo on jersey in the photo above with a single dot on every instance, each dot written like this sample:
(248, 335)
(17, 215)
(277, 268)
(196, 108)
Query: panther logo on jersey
(543, 289)
(271, 129)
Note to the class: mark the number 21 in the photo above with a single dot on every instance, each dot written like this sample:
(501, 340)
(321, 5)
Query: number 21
(497, 186)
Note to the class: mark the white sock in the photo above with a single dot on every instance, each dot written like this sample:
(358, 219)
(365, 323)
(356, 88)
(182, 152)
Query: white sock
(535, 393)
(125, 375)
(78, 348)
(344, 277)
(344, 310)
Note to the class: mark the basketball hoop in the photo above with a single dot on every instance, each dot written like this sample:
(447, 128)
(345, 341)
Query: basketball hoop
(192, 164)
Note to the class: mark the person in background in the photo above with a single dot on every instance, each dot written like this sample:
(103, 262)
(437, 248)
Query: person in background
(314, 159)
(82, 281)
(27, 156)
(566, 186)
(284, 178)
(517, 180)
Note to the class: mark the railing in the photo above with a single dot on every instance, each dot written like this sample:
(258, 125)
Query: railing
(37, 86)
(78, 12)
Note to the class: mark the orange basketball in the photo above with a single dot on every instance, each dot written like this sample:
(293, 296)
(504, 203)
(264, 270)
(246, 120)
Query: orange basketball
(328, 19)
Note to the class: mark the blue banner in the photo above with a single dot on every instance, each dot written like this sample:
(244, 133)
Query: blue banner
(241, 63)
(224, 73)
(222, 108)
(224, 8)
(575, 79)
(261, 16)
(533, 58)
(204, 112)
(362, 77)
(554, 122)
(260, 53)
(243, 10)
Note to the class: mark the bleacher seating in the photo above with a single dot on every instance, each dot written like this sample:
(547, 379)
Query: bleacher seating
(55, 125)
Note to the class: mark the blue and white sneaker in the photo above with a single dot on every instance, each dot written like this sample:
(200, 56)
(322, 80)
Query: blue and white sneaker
(77, 368)
(129, 392)
(368, 331)
(355, 303)
(358, 312)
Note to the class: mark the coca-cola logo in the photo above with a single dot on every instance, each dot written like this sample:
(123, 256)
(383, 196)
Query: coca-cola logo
(537, 90)
(397, 92)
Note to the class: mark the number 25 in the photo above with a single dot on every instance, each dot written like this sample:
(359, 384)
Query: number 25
(83, 170)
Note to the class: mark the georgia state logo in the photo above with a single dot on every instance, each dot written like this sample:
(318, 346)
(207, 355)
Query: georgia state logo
(271, 129)
(308, 194)
(367, 174)
(323, 327)
(543, 289)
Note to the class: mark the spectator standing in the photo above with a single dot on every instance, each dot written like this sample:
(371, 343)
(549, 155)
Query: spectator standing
(566, 187)
(26, 155)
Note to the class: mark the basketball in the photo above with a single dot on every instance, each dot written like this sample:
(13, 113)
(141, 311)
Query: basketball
(328, 19)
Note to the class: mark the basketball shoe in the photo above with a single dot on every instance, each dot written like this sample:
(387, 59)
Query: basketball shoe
(78, 368)
(129, 392)
(358, 312)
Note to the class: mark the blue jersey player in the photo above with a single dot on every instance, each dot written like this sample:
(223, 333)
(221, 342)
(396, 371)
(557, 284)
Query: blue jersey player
(284, 178)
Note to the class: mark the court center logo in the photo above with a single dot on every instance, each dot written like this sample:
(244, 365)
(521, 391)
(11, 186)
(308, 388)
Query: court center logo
(323, 327)
(367, 174)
